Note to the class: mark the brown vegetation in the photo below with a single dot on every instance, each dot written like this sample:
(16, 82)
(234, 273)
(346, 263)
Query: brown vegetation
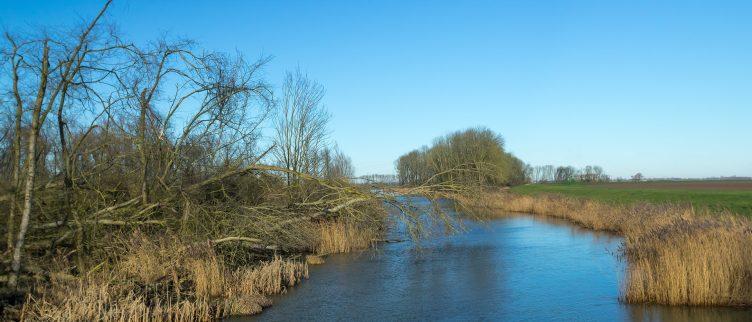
(163, 280)
(344, 237)
(676, 255)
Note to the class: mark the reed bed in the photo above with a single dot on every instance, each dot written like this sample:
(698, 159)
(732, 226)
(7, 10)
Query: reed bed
(151, 276)
(345, 236)
(163, 280)
(676, 255)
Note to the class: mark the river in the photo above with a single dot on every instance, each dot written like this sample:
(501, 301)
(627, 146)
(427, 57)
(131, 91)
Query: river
(517, 268)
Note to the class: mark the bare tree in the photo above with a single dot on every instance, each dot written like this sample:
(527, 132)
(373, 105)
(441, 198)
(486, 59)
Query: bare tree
(15, 163)
(301, 126)
(335, 164)
(36, 124)
(67, 70)
(565, 174)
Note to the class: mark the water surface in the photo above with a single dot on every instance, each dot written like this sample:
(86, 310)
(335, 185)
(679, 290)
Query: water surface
(519, 268)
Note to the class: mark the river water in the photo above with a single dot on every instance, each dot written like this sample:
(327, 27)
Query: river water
(518, 268)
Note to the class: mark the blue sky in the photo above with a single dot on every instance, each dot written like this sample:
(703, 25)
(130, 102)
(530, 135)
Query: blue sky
(660, 87)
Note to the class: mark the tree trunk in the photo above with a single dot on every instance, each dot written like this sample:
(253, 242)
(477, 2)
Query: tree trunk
(16, 157)
(31, 169)
(142, 148)
(65, 163)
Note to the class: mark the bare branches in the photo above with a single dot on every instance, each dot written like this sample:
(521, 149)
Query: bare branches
(325, 212)
(167, 139)
(301, 126)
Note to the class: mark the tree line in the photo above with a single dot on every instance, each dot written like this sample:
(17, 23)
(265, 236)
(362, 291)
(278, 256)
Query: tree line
(562, 174)
(474, 156)
(477, 156)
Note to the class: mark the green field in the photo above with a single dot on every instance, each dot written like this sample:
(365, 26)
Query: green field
(716, 195)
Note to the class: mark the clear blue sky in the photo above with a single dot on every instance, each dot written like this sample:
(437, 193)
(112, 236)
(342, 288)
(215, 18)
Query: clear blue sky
(661, 87)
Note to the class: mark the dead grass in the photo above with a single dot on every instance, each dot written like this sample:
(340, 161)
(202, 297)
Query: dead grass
(153, 277)
(344, 236)
(702, 261)
(676, 255)
(175, 282)
(314, 259)
(273, 277)
(95, 301)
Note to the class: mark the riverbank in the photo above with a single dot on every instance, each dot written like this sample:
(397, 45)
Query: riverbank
(213, 261)
(676, 255)
(166, 278)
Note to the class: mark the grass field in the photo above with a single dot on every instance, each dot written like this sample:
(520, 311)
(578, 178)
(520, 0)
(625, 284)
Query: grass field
(735, 196)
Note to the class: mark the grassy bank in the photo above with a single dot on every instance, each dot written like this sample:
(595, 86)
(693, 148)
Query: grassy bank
(714, 195)
(676, 255)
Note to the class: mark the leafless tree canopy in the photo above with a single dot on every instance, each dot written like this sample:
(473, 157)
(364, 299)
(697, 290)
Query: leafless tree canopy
(549, 173)
(100, 135)
(102, 140)
(301, 132)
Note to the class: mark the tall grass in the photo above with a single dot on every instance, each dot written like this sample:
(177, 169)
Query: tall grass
(152, 275)
(164, 280)
(676, 255)
(345, 236)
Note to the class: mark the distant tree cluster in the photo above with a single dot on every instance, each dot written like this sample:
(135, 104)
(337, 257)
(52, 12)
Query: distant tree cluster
(388, 179)
(334, 164)
(473, 156)
(550, 173)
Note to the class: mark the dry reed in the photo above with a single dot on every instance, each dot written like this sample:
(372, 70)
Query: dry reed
(175, 282)
(344, 236)
(676, 255)
(164, 278)
(314, 259)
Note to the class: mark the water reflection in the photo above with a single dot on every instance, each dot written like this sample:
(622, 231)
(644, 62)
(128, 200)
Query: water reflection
(517, 268)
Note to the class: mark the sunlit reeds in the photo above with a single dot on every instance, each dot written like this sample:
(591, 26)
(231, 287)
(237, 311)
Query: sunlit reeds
(175, 282)
(343, 236)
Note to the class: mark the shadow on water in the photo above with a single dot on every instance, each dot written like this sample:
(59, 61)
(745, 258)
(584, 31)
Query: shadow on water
(520, 267)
